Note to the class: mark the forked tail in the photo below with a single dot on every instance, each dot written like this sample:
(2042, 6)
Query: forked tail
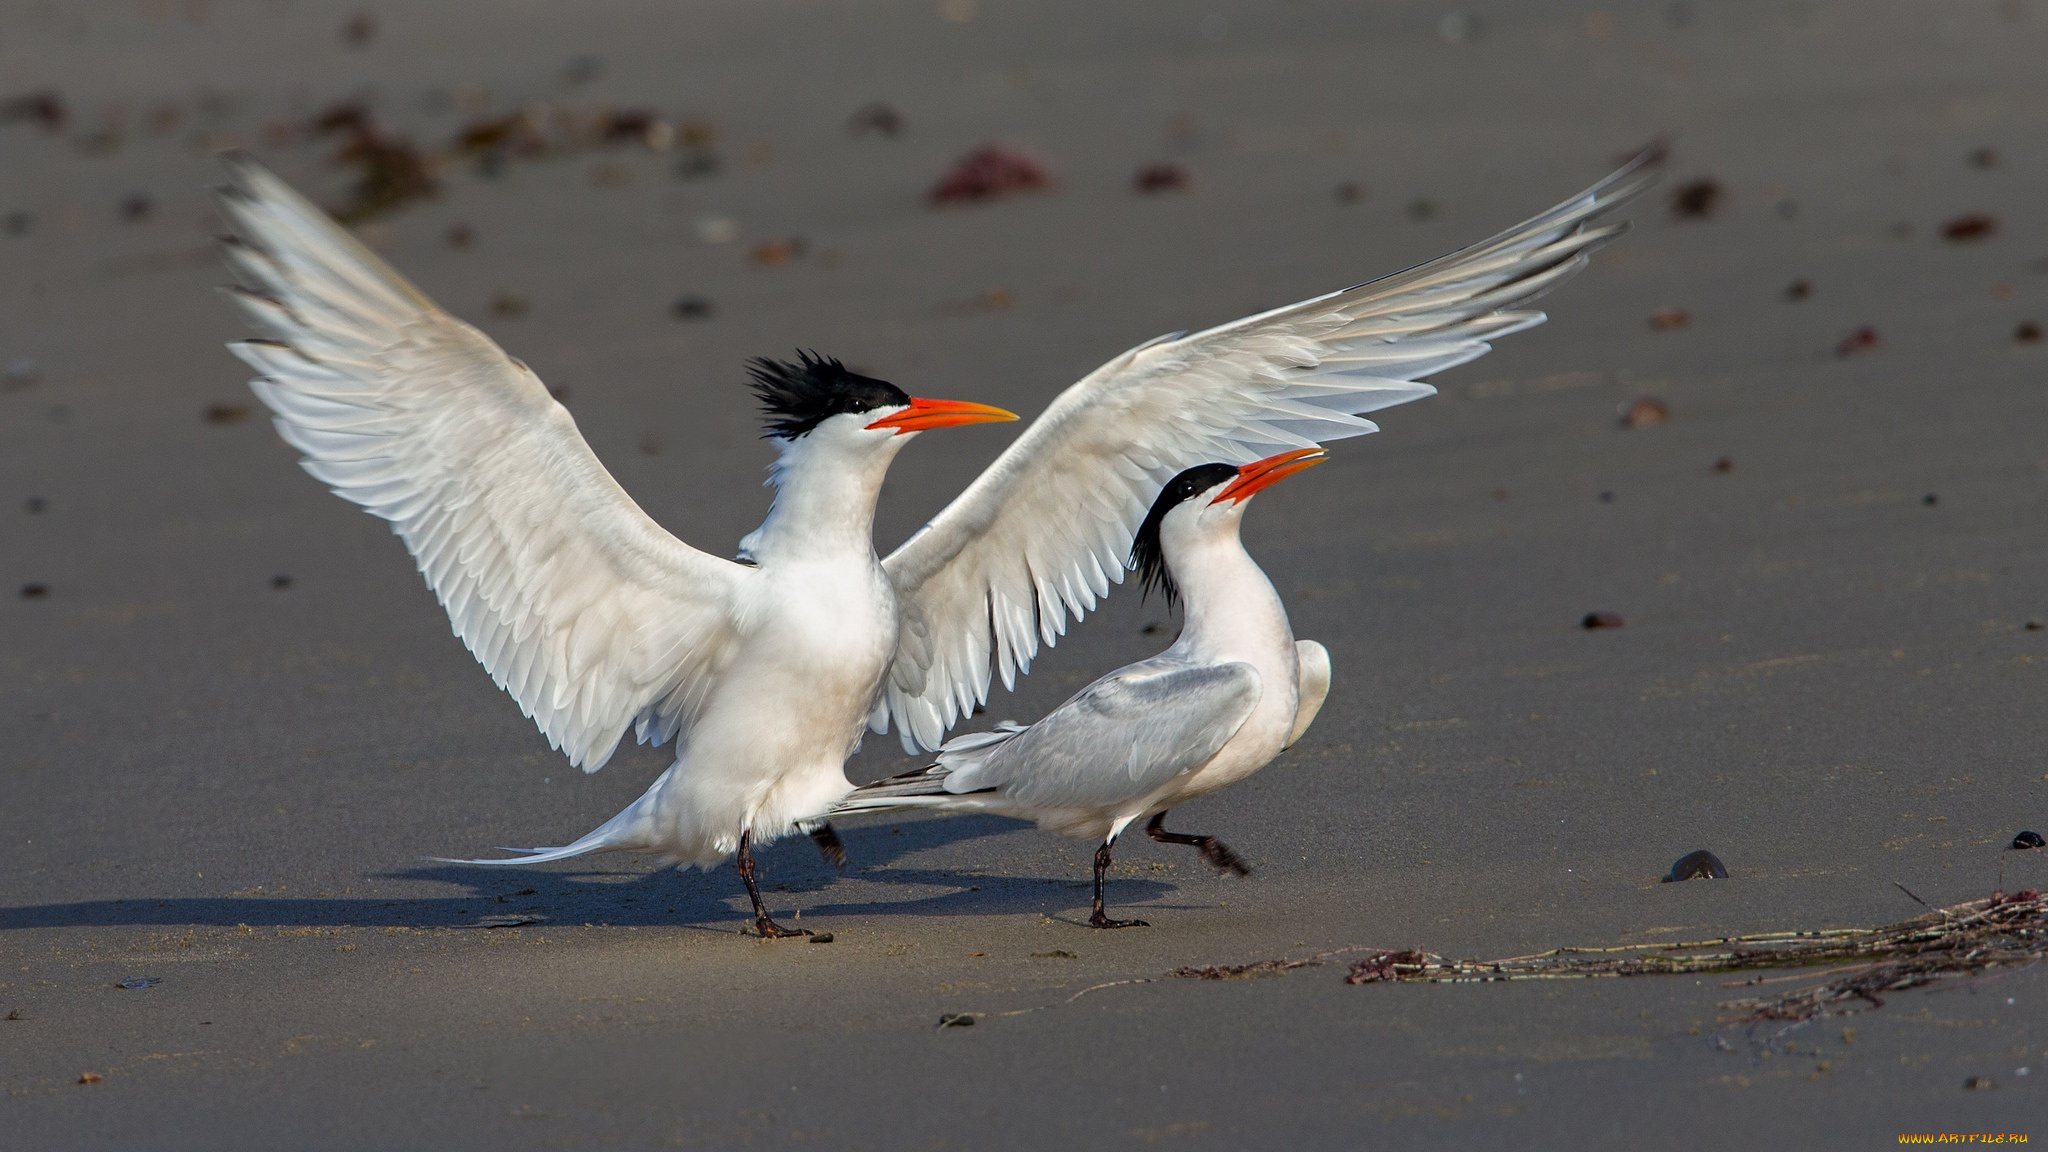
(923, 788)
(933, 787)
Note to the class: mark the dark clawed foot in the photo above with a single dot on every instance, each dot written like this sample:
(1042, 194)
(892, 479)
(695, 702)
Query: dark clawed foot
(1097, 919)
(763, 923)
(829, 846)
(1219, 855)
(1215, 851)
(770, 930)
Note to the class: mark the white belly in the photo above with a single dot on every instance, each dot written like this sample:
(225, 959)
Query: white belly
(769, 746)
(1261, 738)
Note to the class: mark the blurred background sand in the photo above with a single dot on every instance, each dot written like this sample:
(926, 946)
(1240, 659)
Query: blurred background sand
(233, 724)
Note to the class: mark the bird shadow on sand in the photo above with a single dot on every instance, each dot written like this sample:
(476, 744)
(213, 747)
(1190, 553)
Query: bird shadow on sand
(658, 897)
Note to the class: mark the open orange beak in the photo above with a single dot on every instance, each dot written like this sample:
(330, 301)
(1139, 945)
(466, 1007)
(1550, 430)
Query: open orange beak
(924, 415)
(1265, 473)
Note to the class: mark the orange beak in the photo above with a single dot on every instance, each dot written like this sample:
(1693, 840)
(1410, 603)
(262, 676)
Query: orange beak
(923, 415)
(1265, 473)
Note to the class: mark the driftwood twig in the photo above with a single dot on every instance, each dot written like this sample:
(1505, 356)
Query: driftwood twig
(1965, 939)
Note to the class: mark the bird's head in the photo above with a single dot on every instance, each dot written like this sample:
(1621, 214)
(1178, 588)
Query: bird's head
(818, 397)
(1203, 503)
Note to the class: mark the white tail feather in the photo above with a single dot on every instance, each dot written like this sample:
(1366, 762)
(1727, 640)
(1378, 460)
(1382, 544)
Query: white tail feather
(930, 788)
(880, 803)
(611, 834)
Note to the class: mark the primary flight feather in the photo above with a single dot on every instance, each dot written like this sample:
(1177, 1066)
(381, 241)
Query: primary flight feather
(1042, 534)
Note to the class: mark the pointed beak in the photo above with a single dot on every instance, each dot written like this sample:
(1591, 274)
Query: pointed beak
(1265, 473)
(923, 415)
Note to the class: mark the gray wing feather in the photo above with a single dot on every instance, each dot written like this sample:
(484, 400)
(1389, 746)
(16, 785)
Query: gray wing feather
(1121, 737)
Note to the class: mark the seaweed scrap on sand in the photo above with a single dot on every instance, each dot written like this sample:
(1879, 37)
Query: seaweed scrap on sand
(1859, 965)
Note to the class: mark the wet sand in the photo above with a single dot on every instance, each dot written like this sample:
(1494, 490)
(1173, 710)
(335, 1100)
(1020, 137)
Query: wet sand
(1826, 675)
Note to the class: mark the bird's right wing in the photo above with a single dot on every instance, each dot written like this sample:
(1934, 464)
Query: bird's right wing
(1121, 737)
(1045, 531)
(594, 618)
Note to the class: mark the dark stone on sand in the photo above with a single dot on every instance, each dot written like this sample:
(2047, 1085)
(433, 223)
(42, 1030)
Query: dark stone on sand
(1700, 865)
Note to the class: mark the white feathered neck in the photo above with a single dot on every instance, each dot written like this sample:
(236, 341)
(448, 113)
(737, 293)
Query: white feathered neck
(1231, 607)
(826, 484)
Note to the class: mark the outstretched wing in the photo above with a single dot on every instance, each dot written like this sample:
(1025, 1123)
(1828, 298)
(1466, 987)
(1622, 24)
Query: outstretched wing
(592, 616)
(1120, 738)
(1046, 530)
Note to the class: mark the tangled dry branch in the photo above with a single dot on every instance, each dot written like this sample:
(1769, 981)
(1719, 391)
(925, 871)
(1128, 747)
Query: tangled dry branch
(1862, 964)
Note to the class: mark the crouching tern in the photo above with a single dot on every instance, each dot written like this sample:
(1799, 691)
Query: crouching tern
(597, 621)
(1234, 691)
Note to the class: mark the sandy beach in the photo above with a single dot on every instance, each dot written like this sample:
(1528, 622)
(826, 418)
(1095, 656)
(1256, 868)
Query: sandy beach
(234, 726)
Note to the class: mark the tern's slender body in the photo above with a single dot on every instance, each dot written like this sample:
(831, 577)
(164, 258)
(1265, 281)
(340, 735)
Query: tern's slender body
(1233, 691)
(764, 670)
(815, 627)
(598, 622)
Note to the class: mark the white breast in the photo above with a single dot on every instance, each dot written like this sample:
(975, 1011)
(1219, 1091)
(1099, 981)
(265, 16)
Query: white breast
(1237, 616)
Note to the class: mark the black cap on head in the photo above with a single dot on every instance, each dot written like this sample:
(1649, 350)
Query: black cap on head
(1147, 558)
(796, 397)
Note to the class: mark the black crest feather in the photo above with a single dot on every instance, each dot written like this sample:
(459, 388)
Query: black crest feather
(796, 397)
(1148, 559)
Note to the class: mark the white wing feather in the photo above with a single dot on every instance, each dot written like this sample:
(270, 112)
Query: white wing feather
(1044, 532)
(1118, 739)
(592, 616)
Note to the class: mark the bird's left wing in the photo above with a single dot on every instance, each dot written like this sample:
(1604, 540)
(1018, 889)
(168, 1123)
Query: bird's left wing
(1046, 530)
(586, 611)
(1120, 738)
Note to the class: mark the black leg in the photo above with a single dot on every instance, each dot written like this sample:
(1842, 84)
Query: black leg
(1214, 851)
(828, 844)
(1098, 919)
(762, 924)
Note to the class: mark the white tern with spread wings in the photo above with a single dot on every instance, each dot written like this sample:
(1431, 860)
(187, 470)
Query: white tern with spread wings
(599, 622)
